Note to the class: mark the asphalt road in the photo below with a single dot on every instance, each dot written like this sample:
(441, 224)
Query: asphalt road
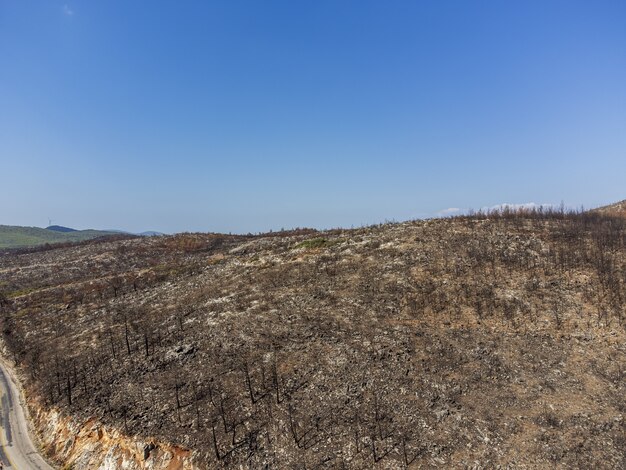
(17, 450)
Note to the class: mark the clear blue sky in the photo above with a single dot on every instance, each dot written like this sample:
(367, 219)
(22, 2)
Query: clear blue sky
(255, 115)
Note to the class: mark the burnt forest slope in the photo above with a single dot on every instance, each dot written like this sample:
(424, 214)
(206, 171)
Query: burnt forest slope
(465, 342)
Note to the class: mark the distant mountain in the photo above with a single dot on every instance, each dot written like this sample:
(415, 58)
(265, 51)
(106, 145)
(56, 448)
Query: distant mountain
(150, 233)
(12, 236)
(59, 228)
(618, 209)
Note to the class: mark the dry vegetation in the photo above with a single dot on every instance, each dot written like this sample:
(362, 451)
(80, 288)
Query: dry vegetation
(467, 342)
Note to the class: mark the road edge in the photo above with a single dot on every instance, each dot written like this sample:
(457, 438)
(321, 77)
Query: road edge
(13, 376)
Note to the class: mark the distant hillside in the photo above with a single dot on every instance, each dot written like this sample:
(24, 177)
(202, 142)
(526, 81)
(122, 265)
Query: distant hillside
(617, 209)
(17, 237)
(59, 228)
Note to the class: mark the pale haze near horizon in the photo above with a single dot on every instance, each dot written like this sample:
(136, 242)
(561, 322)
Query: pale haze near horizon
(251, 116)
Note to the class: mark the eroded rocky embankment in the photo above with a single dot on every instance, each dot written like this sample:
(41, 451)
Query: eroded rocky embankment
(90, 445)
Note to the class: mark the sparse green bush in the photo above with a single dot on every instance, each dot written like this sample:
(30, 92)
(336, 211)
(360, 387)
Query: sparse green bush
(320, 242)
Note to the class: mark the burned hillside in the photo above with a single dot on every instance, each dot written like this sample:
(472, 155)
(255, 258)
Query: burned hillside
(476, 341)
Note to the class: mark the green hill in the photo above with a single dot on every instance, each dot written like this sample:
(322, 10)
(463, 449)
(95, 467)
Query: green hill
(16, 237)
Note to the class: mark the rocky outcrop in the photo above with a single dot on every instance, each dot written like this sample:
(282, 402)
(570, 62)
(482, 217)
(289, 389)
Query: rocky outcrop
(91, 445)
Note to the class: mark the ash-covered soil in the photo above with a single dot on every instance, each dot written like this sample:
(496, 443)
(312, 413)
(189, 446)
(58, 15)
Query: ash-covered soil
(456, 343)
